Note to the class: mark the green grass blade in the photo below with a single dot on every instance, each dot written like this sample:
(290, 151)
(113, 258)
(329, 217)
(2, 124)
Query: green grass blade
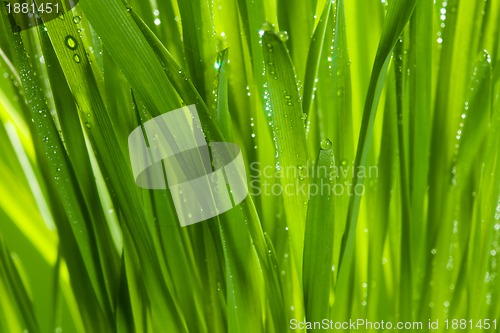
(397, 17)
(15, 290)
(318, 242)
(288, 127)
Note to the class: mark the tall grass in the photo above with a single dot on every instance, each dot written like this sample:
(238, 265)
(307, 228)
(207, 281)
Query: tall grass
(392, 105)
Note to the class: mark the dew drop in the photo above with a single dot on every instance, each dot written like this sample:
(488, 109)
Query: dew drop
(76, 58)
(267, 26)
(71, 42)
(77, 19)
(325, 144)
(283, 35)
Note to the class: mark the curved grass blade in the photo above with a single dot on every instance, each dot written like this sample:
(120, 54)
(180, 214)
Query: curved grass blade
(55, 161)
(111, 156)
(287, 125)
(200, 48)
(222, 113)
(288, 128)
(314, 57)
(397, 17)
(12, 283)
(296, 18)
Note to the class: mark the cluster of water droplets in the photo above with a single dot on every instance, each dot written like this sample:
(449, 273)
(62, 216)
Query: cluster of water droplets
(458, 137)
(71, 42)
(442, 18)
(325, 144)
(364, 286)
(253, 135)
(491, 274)
(156, 14)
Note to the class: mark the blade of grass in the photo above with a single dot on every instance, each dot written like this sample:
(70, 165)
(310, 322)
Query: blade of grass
(13, 285)
(397, 17)
(318, 240)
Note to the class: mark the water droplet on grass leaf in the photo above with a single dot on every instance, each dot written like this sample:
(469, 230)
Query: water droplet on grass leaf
(325, 144)
(71, 42)
(267, 26)
(76, 58)
(283, 35)
(77, 19)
